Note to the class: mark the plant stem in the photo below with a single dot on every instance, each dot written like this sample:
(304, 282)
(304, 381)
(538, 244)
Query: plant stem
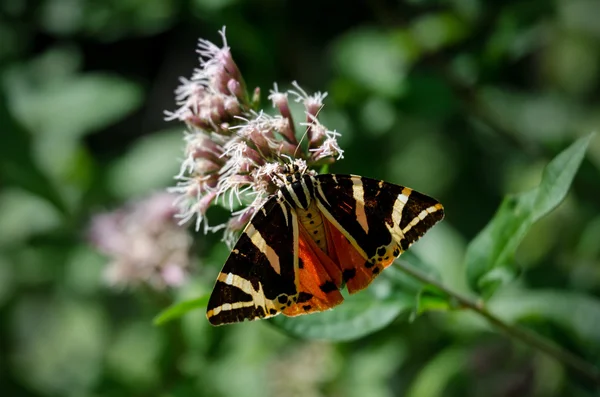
(524, 335)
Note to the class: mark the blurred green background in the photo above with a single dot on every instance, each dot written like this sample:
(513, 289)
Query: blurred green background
(465, 100)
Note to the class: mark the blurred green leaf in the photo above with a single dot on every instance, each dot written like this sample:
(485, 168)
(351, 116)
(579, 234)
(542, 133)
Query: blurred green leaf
(576, 312)
(17, 165)
(84, 270)
(442, 251)
(58, 63)
(495, 246)
(150, 164)
(369, 370)
(431, 299)
(58, 344)
(378, 116)
(106, 20)
(75, 106)
(212, 5)
(16, 223)
(578, 16)
(133, 355)
(435, 31)
(573, 63)
(374, 60)
(180, 308)
(405, 281)
(7, 280)
(433, 379)
(526, 116)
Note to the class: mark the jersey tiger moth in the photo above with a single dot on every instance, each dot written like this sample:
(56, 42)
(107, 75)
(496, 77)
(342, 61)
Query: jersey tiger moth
(317, 234)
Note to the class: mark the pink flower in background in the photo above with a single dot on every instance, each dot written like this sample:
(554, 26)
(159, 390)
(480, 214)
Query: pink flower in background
(144, 242)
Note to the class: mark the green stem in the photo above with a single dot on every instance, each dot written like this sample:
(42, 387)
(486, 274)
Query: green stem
(522, 334)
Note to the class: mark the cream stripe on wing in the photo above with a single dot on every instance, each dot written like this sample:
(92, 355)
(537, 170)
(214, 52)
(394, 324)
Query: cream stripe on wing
(261, 244)
(320, 191)
(258, 297)
(283, 206)
(306, 192)
(295, 246)
(358, 192)
(228, 307)
(422, 215)
(399, 204)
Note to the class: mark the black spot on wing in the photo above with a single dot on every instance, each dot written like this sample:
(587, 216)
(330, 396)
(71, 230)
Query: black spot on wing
(348, 274)
(304, 297)
(328, 286)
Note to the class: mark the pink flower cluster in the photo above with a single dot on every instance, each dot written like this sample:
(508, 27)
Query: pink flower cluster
(234, 149)
(144, 242)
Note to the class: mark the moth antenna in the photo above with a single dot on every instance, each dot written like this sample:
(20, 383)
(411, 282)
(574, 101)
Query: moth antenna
(300, 141)
(306, 131)
(276, 175)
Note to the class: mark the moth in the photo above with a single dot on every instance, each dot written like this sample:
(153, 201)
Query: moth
(317, 234)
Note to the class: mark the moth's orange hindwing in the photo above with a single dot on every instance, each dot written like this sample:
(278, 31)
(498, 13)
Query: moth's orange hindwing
(357, 273)
(319, 289)
(371, 222)
(259, 279)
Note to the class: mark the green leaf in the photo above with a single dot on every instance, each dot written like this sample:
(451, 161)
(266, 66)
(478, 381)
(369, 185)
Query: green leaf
(435, 376)
(150, 164)
(180, 308)
(575, 312)
(67, 107)
(16, 207)
(373, 60)
(431, 299)
(133, 357)
(359, 315)
(495, 246)
(17, 164)
(435, 31)
(404, 282)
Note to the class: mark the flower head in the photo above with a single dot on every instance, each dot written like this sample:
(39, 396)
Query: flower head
(235, 151)
(145, 244)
